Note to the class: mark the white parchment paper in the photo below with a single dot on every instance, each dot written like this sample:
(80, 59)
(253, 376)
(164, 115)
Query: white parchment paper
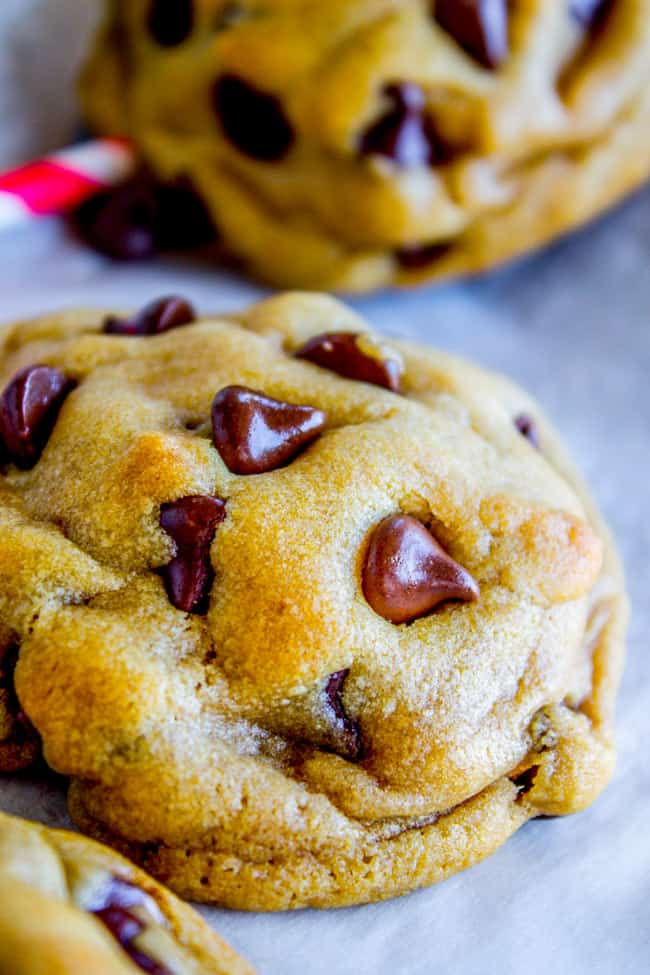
(565, 897)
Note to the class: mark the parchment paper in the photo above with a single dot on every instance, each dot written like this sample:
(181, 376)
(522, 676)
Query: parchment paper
(565, 896)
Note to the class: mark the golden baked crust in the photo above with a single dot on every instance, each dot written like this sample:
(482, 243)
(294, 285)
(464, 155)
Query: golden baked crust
(292, 746)
(65, 900)
(523, 151)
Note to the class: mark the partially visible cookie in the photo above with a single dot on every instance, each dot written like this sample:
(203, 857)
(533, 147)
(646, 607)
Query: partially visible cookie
(308, 616)
(353, 144)
(69, 906)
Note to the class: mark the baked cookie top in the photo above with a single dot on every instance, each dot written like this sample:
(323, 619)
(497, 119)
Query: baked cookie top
(69, 906)
(284, 595)
(358, 143)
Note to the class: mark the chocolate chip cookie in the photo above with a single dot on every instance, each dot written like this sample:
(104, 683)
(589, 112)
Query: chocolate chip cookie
(70, 906)
(354, 144)
(307, 616)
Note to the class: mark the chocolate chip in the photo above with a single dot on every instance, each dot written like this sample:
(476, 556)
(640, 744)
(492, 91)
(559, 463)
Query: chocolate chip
(125, 928)
(121, 222)
(155, 318)
(407, 573)
(404, 133)
(183, 222)
(170, 22)
(526, 780)
(29, 408)
(123, 925)
(348, 731)
(416, 256)
(114, 908)
(140, 218)
(528, 429)
(479, 26)
(255, 434)
(589, 13)
(343, 353)
(191, 522)
(253, 121)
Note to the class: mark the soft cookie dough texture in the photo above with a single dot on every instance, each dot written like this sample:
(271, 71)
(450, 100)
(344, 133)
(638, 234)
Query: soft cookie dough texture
(69, 906)
(353, 144)
(285, 743)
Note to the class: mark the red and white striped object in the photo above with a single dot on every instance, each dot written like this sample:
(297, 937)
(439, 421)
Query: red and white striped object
(62, 180)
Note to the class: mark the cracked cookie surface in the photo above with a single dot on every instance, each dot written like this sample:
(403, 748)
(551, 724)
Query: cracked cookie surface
(355, 144)
(69, 906)
(307, 616)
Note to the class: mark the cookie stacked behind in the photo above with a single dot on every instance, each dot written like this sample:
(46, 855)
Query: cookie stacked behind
(359, 143)
(308, 617)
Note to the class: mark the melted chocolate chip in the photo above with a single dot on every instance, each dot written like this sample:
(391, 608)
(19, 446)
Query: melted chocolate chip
(139, 218)
(29, 408)
(121, 222)
(351, 745)
(479, 26)
(170, 22)
(589, 13)
(125, 928)
(526, 780)
(528, 429)
(123, 925)
(114, 909)
(342, 353)
(404, 133)
(191, 522)
(407, 573)
(155, 318)
(416, 256)
(183, 221)
(253, 121)
(255, 434)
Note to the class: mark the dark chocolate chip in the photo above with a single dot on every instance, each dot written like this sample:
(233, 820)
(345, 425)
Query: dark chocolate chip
(140, 218)
(479, 26)
(29, 408)
(183, 221)
(404, 133)
(121, 222)
(146, 963)
(348, 731)
(192, 523)
(123, 925)
(252, 120)
(416, 256)
(125, 928)
(343, 353)
(155, 318)
(407, 573)
(528, 429)
(255, 434)
(170, 22)
(589, 13)
(526, 780)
